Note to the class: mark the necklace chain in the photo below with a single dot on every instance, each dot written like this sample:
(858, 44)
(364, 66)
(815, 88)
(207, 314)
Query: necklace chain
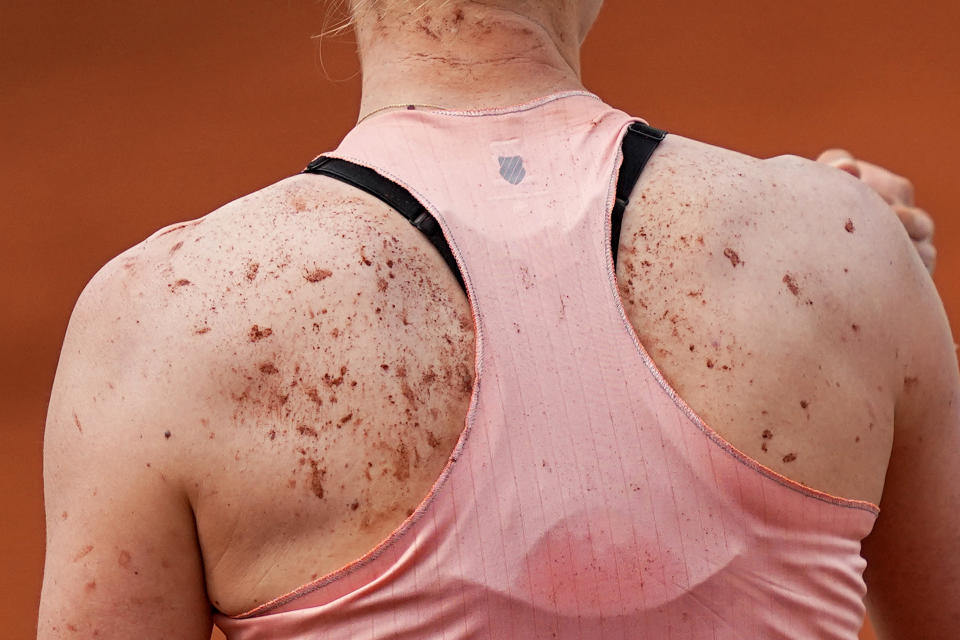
(403, 105)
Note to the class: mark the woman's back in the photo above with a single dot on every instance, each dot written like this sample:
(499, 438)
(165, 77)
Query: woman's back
(325, 353)
(288, 376)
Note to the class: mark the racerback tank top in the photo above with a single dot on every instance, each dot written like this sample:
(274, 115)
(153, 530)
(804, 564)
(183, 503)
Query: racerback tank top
(584, 499)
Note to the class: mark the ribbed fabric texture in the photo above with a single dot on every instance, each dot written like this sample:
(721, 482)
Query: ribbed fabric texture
(585, 499)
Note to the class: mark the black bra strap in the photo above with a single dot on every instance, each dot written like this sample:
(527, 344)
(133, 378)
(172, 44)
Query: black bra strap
(639, 144)
(394, 195)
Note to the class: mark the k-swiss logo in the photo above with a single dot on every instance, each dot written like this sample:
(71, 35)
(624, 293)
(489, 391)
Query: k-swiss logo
(512, 169)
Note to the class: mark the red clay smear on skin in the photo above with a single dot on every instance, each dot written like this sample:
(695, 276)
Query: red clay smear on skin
(269, 368)
(257, 334)
(767, 435)
(317, 275)
(429, 376)
(179, 283)
(314, 395)
(316, 479)
(83, 552)
(405, 387)
(423, 26)
(407, 392)
(177, 228)
(791, 284)
(305, 430)
(401, 470)
(330, 381)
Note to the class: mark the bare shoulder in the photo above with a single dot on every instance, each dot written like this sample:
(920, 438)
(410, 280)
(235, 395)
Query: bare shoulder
(805, 226)
(803, 246)
(205, 304)
(149, 306)
(763, 290)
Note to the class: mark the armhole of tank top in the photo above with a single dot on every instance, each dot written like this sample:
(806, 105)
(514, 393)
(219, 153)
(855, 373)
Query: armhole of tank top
(622, 194)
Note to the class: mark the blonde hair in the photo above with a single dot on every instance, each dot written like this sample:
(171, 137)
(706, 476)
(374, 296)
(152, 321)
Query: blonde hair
(341, 15)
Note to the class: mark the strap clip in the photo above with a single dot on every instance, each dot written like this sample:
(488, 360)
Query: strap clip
(316, 163)
(424, 222)
(620, 205)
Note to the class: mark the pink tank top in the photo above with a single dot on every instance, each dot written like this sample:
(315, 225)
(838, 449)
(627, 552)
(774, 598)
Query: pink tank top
(584, 498)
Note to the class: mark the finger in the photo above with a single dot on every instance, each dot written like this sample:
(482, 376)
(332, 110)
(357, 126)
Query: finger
(840, 159)
(917, 222)
(928, 254)
(830, 155)
(892, 187)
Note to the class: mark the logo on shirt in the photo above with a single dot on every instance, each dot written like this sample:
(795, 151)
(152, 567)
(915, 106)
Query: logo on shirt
(512, 169)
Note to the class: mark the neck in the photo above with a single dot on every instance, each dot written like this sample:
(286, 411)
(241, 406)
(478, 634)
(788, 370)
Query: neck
(466, 55)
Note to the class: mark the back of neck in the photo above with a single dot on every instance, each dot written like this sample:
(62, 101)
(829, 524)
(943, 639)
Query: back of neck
(465, 55)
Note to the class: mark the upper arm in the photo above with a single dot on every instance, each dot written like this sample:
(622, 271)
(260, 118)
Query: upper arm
(913, 571)
(122, 558)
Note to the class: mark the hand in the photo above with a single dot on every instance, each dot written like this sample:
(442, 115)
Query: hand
(897, 191)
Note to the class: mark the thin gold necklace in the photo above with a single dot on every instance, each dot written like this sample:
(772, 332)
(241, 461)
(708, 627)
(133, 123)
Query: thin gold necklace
(403, 105)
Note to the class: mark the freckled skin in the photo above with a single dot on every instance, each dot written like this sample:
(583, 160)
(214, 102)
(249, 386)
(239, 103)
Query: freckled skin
(335, 413)
(336, 366)
(317, 275)
(767, 300)
(366, 394)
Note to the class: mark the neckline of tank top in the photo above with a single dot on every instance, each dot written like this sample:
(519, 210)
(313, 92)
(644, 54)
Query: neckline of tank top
(493, 111)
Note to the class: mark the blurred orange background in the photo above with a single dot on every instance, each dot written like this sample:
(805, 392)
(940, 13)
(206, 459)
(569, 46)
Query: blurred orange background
(118, 117)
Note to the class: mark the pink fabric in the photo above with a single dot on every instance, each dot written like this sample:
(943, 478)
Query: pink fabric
(584, 499)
